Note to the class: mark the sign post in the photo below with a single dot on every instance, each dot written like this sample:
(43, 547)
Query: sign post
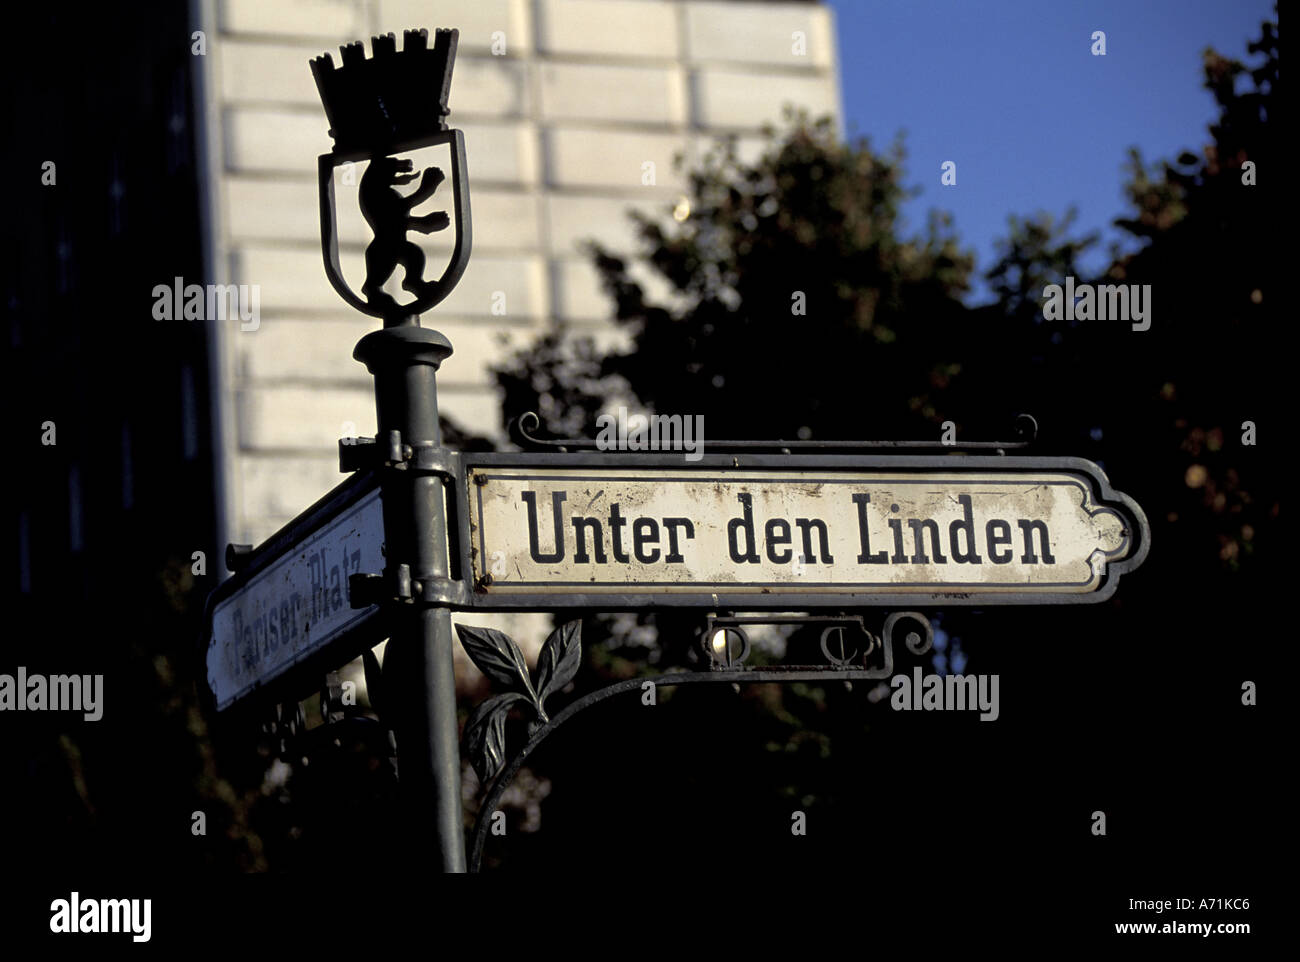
(392, 104)
(372, 559)
(418, 663)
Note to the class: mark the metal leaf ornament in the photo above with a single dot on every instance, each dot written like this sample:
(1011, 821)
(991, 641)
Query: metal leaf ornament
(558, 662)
(499, 658)
(485, 734)
(496, 655)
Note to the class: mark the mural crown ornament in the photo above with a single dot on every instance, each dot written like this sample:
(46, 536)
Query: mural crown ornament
(392, 97)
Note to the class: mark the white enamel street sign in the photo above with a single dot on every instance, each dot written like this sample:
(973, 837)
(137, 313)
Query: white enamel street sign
(660, 532)
(297, 603)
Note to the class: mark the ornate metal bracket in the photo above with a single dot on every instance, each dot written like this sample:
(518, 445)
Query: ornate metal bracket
(500, 659)
(291, 739)
(389, 452)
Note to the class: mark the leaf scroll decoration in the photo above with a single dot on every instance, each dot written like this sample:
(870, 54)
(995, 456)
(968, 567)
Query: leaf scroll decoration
(496, 655)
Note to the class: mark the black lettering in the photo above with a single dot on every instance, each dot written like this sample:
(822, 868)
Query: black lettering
(866, 557)
(997, 540)
(616, 522)
(336, 590)
(314, 566)
(534, 547)
(645, 532)
(750, 554)
(672, 524)
(1044, 542)
(806, 526)
(965, 526)
(918, 555)
(597, 536)
(773, 538)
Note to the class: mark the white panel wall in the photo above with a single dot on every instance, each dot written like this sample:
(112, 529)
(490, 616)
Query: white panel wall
(559, 128)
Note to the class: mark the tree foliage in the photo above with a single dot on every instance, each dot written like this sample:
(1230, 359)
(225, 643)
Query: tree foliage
(889, 349)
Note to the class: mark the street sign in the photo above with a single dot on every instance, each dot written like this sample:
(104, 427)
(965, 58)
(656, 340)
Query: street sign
(291, 602)
(795, 531)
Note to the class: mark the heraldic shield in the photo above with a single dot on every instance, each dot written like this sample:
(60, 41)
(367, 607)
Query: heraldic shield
(392, 104)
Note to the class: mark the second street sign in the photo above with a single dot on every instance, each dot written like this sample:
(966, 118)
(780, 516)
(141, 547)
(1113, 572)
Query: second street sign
(292, 602)
(784, 530)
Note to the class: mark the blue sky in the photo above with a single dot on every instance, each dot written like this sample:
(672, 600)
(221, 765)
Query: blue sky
(1010, 92)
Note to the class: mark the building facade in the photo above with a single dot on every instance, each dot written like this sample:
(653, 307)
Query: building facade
(573, 113)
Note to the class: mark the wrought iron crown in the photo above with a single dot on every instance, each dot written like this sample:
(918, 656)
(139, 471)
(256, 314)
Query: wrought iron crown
(390, 98)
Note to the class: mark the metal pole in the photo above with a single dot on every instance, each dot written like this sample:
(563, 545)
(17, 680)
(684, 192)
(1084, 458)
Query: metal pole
(418, 669)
